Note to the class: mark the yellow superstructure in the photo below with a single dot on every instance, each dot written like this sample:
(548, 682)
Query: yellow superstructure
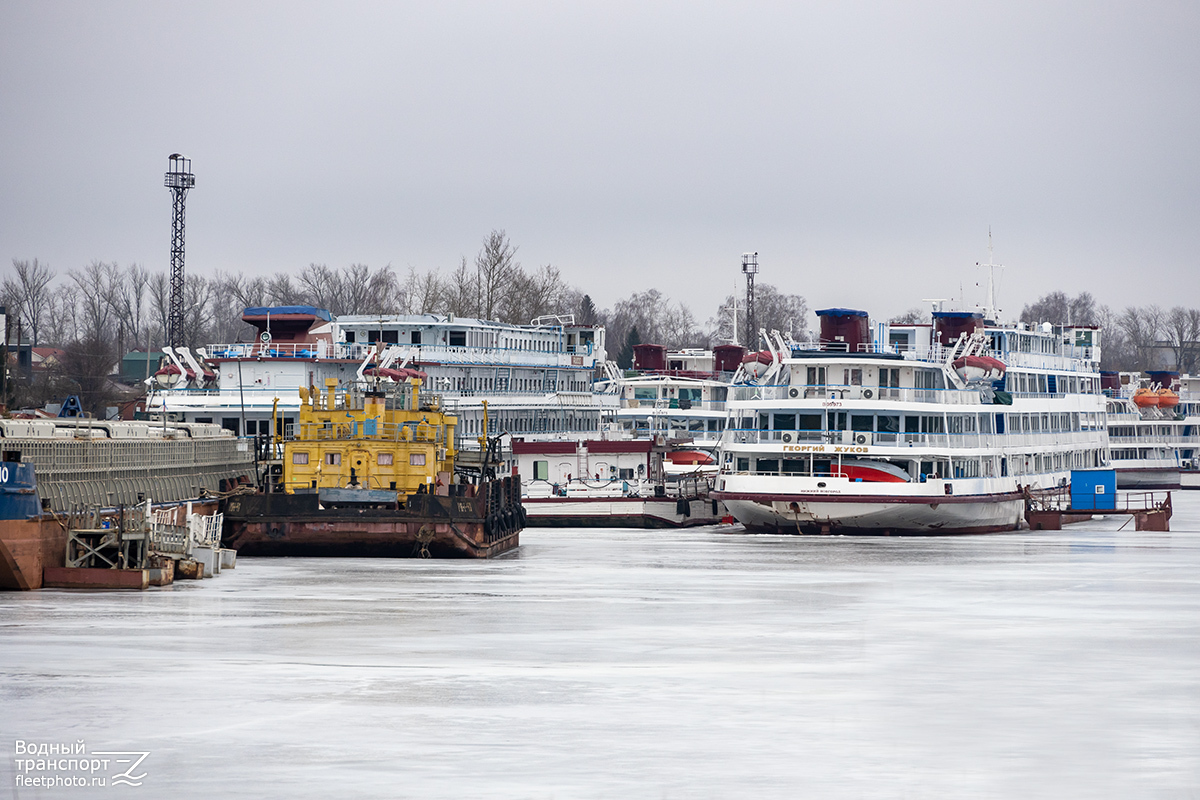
(353, 439)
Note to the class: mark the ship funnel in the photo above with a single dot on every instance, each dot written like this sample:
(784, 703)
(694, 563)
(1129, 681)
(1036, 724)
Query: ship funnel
(950, 326)
(728, 357)
(845, 329)
(649, 357)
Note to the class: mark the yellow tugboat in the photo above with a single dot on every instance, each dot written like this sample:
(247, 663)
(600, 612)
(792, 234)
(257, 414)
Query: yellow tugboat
(356, 442)
(367, 473)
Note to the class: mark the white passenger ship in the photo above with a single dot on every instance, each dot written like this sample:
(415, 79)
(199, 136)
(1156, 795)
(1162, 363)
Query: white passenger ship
(537, 379)
(1154, 429)
(933, 429)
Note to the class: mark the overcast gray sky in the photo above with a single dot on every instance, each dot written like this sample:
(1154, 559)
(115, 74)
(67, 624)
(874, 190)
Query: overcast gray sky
(862, 149)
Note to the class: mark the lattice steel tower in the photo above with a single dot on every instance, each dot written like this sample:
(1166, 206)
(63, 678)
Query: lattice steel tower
(179, 179)
(750, 269)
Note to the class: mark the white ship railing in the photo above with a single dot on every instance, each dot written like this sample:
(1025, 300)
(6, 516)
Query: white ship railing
(1068, 358)
(1042, 440)
(500, 356)
(839, 392)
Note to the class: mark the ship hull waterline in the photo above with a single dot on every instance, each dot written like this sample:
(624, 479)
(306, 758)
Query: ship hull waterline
(26, 547)
(618, 512)
(435, 527)
(866, 515)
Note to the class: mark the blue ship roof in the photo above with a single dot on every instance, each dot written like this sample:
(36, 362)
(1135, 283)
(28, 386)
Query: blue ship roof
(841, 312)
(262, 311)
(957, 315)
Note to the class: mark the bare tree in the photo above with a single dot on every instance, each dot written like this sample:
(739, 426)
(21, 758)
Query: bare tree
(460, 297)
(85, 369)
(1182, 329)
(322, 287)
(1059, 309)
(27, 295)
(95, 299)
(914, 316)
(129, 301)
(495, 271)
(774, 310)
(423, 292)
(533, 295)
(282, 292)
(160, 304)
(1142, 328)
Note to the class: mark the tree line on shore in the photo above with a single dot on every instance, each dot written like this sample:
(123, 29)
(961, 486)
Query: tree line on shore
(100, 311)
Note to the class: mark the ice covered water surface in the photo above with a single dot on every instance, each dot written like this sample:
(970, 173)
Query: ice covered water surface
(622, 663)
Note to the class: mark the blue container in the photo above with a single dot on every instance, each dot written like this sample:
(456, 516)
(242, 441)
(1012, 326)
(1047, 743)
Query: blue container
(1093, 490)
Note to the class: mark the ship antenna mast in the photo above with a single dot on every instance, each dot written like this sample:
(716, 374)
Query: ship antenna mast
(989, 310)
(179, 179)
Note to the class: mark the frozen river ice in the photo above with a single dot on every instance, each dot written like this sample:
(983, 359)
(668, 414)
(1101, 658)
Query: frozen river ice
(621, 663)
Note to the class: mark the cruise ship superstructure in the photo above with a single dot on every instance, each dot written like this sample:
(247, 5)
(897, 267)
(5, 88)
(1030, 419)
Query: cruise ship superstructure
(941, 428)
(537, 379)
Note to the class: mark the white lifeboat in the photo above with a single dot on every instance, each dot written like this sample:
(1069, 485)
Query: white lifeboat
(757, 364)
(979, 368)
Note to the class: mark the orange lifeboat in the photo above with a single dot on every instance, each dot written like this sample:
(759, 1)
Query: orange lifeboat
(690, 457)
(1167, 398)
(1146, 398)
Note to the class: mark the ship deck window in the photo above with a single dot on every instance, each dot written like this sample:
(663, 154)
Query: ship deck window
(541, 470)
(889, 424)
(808, 422)
(391, 337)
(785, 422)
(416, 459)
(333, 459)
(299, 457)
(458, 338)
(861, 422)
(767, 465)
(384, 459)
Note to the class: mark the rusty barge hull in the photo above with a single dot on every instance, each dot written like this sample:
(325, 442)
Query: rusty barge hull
(26, 547)
(428, 526)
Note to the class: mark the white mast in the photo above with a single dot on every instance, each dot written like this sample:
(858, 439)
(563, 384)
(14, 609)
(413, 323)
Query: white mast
(989, 309)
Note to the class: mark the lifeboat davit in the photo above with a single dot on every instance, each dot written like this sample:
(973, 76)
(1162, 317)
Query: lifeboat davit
(758, 363)
(1167, 398)
(979, 368)
(1146, 398)
(870, 471)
